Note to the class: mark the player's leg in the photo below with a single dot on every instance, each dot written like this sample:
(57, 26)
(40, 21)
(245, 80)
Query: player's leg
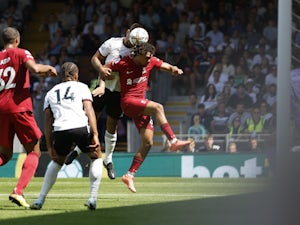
(141, 154)
(5, 155)
(110, 139)
(28, 134)
(49, 180)
(83, 140)
(6, 139)
(98, 104)
(114, 112)
(95, 175)
(73, 155)
(157, 110)
(62, 146)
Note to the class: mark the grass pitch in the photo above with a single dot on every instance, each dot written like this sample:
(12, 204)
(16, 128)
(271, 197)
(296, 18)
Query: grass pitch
(157, 201)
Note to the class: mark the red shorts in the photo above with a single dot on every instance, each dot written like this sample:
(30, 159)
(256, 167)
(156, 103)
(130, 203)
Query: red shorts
(23, 124)
(134, 108)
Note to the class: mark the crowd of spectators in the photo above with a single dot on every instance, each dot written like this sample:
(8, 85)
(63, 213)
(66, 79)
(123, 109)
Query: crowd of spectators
(227, 50)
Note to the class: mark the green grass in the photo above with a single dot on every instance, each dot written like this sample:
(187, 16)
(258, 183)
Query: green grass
(157, 201)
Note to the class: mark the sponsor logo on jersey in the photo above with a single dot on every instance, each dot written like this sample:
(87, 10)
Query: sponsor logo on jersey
(4, 61)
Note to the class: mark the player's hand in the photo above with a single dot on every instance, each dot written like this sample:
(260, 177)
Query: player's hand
(106, 73)
(99, 91)
(176, 71)
(95, 142)
(50, 73)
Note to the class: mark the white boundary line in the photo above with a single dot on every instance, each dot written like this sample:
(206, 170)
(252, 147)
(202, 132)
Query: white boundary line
(120, 195)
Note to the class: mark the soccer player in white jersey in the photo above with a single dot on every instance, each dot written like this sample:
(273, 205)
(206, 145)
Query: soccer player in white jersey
(107, 94)
(70, 119)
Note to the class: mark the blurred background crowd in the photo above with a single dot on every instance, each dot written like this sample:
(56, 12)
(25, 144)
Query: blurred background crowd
(227, 50)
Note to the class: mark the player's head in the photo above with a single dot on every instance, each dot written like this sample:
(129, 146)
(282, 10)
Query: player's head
(133, 26)
(10, 37)
(142, 53)
(69, 71)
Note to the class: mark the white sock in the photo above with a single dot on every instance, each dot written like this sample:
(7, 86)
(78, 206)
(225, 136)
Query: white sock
(77, 149)
(110, 144)
(95, 174)
(49, 179)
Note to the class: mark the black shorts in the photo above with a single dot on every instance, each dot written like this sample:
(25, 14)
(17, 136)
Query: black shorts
(110, 100)
(66, 140)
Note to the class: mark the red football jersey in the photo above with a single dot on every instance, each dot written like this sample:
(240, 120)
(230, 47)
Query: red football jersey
(14, 81)
(134, 78)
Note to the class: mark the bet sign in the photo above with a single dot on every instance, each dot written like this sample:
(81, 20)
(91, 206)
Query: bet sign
(248, 169)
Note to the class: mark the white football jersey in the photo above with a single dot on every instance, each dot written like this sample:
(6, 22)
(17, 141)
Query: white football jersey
(112, 49)
(66, 103)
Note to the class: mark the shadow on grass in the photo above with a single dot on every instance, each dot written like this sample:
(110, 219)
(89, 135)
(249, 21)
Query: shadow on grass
(247, 209)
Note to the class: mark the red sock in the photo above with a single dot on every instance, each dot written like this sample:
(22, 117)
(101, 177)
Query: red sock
(166, 128)
(28, 170)
(135, 165)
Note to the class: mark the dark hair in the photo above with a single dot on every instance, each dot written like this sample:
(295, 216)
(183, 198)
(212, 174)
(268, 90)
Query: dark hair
(134, 25)
(207, 94)
(143, 48)
(9, 34)
(69, 70)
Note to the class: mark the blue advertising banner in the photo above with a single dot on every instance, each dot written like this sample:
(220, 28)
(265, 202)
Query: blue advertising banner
(202, 165)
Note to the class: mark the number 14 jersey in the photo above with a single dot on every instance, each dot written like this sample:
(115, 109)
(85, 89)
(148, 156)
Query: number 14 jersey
(66, 103)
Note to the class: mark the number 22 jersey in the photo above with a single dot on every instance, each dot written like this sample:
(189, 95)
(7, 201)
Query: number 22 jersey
(14, 81)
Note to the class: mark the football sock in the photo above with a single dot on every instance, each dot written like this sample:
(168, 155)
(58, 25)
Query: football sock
(49, 179)
(29, 167)
(110, 144)
(166, 128)
(95, 174)
(135, 165)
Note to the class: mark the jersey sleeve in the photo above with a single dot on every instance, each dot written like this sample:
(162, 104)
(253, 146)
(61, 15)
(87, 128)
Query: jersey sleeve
(86, 93)
(156, 62)
(26, 55)
(105, 48)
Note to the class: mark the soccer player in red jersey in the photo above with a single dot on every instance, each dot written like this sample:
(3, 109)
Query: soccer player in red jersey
(16, 112)
(134, 73)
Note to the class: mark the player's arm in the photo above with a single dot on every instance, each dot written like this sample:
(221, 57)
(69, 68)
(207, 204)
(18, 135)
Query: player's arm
(96, 63)
(40, 69)
(96, 60)
(48, 131)
(174, 70)
(89, 110)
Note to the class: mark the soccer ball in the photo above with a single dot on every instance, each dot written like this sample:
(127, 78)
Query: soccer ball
(138, 35)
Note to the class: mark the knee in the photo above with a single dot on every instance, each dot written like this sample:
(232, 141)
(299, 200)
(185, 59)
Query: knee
(159, 107)
(148, 144)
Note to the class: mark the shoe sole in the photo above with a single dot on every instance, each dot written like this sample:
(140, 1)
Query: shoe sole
(13, 200)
